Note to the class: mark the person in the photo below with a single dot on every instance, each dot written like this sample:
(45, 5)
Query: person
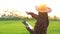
(42, 21)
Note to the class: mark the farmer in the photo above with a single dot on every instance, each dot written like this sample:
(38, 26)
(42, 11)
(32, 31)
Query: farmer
(42, 21)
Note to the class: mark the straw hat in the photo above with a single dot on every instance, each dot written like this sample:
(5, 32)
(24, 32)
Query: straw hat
(43, 8)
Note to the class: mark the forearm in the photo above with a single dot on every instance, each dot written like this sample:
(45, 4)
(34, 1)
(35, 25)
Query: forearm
(30, 30)
(34, 16)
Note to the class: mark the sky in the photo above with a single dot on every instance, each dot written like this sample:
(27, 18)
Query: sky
(29, 5)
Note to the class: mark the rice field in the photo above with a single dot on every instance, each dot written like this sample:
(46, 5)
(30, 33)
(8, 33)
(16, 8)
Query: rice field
(17, 27)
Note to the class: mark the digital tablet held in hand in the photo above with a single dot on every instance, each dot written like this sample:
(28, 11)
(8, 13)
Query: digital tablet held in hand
(27, 24)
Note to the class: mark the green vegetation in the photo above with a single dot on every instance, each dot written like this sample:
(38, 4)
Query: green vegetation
(16, 27)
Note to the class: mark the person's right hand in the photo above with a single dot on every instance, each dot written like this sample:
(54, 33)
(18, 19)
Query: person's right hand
(29, 13)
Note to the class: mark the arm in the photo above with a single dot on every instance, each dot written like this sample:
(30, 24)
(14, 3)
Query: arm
(32, 14)
(28, 26)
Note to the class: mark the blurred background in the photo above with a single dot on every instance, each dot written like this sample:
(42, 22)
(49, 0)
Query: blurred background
(13, 12)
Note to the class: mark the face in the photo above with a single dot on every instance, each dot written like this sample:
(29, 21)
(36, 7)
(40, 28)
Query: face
(43, 9)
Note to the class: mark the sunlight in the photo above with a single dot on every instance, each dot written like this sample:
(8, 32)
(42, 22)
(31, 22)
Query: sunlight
(29, 5)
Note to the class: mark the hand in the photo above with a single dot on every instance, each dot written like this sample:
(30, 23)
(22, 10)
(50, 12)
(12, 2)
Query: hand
(29, 13)
(32, 14)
